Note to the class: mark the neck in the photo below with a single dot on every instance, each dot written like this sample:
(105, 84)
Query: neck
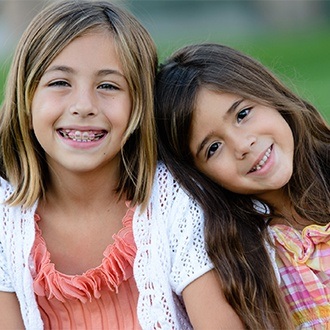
(285, 211)
(87, 190)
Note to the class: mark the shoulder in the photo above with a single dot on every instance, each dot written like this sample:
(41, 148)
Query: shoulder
(12, 216)
(169, 236)
(6, 189)
(168, 191)
(170, 209)
(163, 177)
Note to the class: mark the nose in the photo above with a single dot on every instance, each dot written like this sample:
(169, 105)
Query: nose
(83, 104)
(243, 145)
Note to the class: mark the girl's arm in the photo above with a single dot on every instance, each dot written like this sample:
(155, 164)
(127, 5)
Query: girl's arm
(206, 305)
(10, 313)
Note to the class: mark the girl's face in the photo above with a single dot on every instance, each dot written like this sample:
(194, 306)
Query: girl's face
(82, 106)
(242, 145)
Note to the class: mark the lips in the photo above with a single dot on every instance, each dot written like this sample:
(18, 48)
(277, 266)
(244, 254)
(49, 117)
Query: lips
(263, 161)
(82, 136)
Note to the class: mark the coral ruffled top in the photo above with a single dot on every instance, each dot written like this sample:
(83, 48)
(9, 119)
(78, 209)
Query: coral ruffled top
(104, 297)
(303, 258)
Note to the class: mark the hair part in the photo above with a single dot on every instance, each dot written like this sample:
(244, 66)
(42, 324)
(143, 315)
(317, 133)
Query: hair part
(23, 159)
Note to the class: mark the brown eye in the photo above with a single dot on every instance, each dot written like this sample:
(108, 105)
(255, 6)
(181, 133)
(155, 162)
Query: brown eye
(242, 114)
(213, 148)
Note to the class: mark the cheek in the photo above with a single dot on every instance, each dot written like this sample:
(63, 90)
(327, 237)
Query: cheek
(38, 120)
(118, 113)
(39, 113)
(220, 173)
(45, 112)
(222, 180)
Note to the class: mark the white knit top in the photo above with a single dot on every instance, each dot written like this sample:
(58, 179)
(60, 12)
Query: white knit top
(169, 236)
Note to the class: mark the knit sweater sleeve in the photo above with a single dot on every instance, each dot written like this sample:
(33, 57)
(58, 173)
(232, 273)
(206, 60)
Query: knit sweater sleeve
(5, 280)
(187, 245)
(170, 253)
(16, 239)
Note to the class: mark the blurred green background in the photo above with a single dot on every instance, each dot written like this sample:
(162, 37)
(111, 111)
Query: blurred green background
(291, 37)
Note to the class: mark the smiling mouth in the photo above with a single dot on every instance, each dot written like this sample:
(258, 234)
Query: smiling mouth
(82, 136)
(262, 162)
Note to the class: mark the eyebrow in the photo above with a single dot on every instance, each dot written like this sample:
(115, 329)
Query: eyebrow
(101, 73)
(106, 72)
(231, 109)
(59, 68)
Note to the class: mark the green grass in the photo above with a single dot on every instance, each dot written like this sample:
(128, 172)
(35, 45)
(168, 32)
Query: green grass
(4, 67)
(302, 61)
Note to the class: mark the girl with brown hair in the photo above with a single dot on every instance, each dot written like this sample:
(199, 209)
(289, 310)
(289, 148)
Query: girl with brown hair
(256, 157)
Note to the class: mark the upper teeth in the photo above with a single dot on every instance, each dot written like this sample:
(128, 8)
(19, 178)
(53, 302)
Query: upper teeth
(262, 161)
(80, 136)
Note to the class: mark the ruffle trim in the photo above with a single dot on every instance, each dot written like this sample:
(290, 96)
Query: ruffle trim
(302, 245)
(317, 317)
(303, 258)
(116, 267)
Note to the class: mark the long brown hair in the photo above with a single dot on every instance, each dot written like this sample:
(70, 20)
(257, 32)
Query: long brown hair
(23, 160)
(235, 232)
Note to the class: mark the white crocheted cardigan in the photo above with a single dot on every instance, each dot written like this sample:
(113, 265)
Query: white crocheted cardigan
(170, 254)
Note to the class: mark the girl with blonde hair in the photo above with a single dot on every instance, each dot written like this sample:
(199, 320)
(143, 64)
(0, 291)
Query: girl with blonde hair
(93, 234)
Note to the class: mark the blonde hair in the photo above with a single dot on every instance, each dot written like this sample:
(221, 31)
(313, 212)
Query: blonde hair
(23, 159)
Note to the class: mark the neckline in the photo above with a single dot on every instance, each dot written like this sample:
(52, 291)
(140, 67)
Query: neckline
(116, 267)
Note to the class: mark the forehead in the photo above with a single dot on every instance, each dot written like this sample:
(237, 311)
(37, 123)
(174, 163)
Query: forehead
(51, 46)
(210, 101)
(88, 47)
(59, 40)
(213, 111)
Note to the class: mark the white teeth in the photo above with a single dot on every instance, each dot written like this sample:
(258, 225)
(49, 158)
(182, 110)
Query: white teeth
(262, 161)
(86, 136)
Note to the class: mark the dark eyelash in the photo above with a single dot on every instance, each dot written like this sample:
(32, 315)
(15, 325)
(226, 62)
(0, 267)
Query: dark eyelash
(108, 86)
(58, 83)
(246, 113)
(209, 149)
